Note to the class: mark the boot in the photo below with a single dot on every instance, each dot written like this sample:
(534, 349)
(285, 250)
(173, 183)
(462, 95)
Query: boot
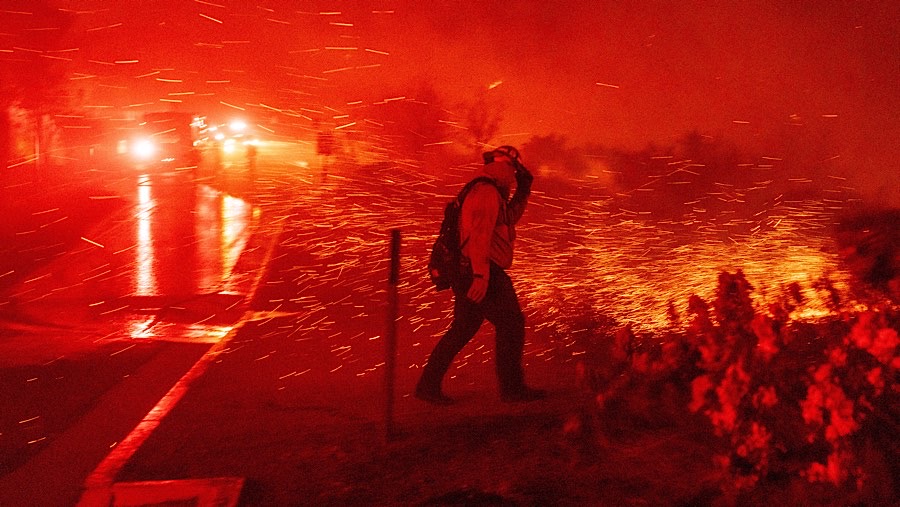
(432, 395)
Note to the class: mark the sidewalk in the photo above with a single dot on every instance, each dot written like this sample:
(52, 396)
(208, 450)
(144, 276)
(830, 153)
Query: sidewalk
(256, 429)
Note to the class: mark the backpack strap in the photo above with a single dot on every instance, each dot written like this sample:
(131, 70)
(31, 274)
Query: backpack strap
(465, 192)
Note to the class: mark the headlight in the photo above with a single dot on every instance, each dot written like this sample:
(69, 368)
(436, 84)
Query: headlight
(143, 149)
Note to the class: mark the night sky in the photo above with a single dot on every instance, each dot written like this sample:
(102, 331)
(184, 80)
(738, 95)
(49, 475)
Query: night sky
(820, 77)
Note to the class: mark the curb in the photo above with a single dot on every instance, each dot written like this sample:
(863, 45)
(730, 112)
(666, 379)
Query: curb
(100, 487)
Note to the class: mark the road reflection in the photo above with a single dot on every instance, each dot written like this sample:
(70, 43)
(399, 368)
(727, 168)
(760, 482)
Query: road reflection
(145, 279)
(188, 236)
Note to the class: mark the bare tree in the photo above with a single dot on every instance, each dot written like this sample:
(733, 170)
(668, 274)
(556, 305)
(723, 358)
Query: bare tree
(478, 121)
(31, 75)
(482, 119)
(409, 123)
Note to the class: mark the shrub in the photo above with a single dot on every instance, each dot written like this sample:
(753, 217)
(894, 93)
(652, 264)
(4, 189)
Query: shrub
(786, 399)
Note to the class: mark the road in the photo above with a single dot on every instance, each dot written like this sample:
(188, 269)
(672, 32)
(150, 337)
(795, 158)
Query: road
(116, 281)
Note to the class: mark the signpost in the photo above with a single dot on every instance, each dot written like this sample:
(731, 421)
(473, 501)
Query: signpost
(391, 335)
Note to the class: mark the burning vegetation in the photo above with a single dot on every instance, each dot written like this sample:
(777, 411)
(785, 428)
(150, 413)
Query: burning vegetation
(786, 401)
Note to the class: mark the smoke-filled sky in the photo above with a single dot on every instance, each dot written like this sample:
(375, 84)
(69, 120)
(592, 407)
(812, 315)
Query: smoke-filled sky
(821, 76)
(774, 75)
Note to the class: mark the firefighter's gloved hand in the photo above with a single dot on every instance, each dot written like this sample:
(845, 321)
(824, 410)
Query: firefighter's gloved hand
(478, 289)
(523, 177)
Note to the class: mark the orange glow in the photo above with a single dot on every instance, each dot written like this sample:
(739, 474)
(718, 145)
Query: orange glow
(629, 281)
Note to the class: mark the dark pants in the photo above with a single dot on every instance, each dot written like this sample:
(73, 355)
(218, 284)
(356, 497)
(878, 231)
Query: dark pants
(501, 308)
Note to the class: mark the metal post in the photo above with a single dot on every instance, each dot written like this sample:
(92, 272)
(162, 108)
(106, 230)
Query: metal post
(391, 336)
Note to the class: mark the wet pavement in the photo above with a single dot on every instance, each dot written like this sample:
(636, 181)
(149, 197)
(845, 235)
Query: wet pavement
(168, 245)
(131, 293)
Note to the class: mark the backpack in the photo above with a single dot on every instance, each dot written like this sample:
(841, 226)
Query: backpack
(446, 266)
